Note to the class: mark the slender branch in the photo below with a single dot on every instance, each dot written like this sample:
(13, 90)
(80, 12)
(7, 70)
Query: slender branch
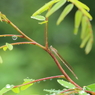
(52, 77)
(24, 35)
(10, 35)
(18, 43)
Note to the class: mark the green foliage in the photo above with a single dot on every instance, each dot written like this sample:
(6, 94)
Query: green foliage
(67, 9)
(23, 86)
(82, 17)
(79, 17)
(66, 84)
(7, 88)
(90, 87)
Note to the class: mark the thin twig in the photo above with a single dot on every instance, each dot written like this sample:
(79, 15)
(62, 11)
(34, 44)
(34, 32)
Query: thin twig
(52, 77)
(19, 43)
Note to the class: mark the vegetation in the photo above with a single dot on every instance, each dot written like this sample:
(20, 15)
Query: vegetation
(82, 18)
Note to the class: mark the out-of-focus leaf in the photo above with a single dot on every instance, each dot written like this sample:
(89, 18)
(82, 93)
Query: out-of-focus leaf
(84, 41)
(84, 26)
(83, 10)
(16, 90)
(66, 84)
(26, 86)
(88, 46)
(5, 48)
(9, 46)
(78, 17)
(45, 7)
(90, 87)
(1, 61)
(86, 14)
(56, 7)
(67, 9)
(6, 89)
(83, 5)
(38, 17)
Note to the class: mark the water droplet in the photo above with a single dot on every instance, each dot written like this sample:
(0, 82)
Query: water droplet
(8, 86)
(14, 37)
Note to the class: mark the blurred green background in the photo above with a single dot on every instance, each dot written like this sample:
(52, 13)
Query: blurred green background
(31, 61)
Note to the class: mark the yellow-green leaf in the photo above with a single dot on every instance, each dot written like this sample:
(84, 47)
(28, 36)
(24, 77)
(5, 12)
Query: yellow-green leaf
(84, 41)
(9, 46)
(45, 7)
(26, 86)
(16, 90)
(86, 14)
(67, 9)
(83, 10)
(5, 48)
(83, 5)
(56, 7)
(89, 46)
(84, 26)
(78, 17)
(38, 17)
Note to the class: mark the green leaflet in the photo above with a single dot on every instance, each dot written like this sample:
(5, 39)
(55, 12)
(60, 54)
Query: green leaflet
(88, 46)
(38, 17)
(9, 46)
(66, 84)
(78, 17)
(45, 7)
(84, 26)
(5, 48)
(77, 3)
(23, 87)
(26, 86)
(83, 5)
(91, 87)
(84, 41)
(67, 9)
(6, 89)
(16, 90)
(56, 7)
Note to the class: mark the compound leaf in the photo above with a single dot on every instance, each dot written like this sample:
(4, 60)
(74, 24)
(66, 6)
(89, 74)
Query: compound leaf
(67, 9)
(56, 7)
(45, 7)
(78, 17)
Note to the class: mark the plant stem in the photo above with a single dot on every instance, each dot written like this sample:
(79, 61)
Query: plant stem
(52, 77)
(24, 35)
(61, 69)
